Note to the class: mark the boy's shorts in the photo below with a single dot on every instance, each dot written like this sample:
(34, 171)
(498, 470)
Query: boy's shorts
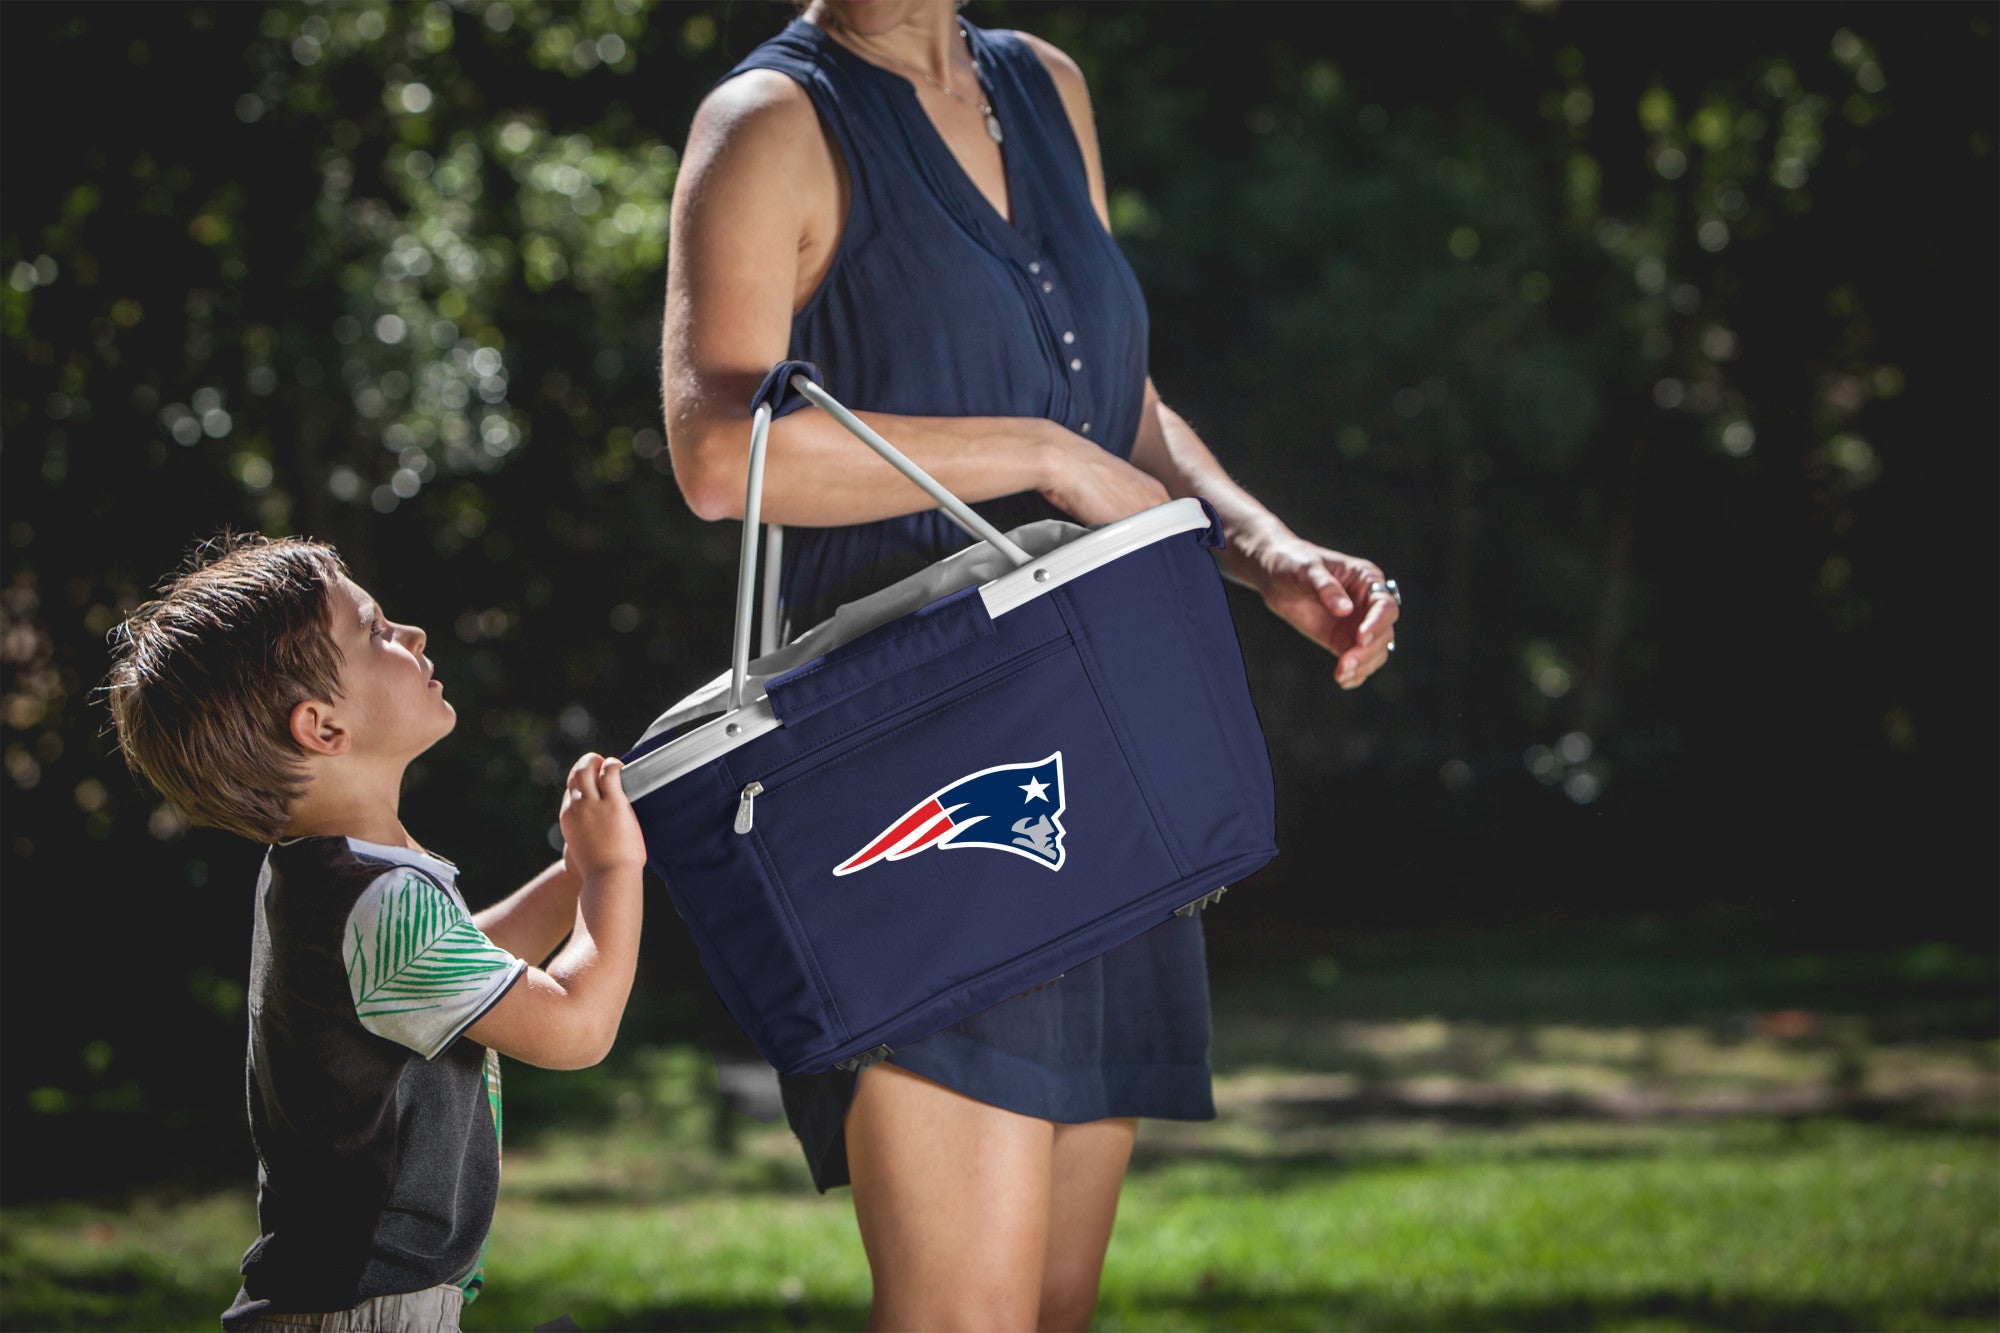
(433, 1310)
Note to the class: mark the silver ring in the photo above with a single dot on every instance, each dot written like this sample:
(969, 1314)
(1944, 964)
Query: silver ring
(1389, 587)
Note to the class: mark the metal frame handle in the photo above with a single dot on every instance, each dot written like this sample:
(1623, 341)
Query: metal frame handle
(746, 564)
(774, 560)
(957, 510)
(753, 507)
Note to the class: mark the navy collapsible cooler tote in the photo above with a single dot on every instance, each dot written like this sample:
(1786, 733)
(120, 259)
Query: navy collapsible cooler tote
(961, 786)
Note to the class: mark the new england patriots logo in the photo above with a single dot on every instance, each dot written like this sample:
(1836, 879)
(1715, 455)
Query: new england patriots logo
(1012, 808)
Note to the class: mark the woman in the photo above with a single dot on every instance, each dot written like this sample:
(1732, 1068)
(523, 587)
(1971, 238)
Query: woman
(918, 206)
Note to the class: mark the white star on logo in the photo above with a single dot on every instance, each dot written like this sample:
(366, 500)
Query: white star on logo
(1035, 788)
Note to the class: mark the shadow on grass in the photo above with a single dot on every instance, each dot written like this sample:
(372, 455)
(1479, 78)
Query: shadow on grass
(1222, 1308)
(1274, 1172)
(599, 1193)
(1508, 1108)
(1311, 1135)
(121, 1299)
(140, 1301)
(720, 1318)
(146, 1301)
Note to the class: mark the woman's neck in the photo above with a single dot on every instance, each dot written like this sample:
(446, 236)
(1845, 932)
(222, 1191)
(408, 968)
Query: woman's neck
(918, 34)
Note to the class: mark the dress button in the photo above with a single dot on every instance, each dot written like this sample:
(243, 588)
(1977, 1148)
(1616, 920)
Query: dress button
(1068, 336)
(1034, 266)
(1085, 428)
(1076, 363)
(1048, 286)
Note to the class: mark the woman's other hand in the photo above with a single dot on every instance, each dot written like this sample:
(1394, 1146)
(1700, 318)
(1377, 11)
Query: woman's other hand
(1335, 600)
(1094, 486)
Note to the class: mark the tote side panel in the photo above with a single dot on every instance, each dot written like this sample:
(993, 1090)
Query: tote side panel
(1007, 979)
(1158, 621)
(1037, 831)
(722, 889)
(1218, 653)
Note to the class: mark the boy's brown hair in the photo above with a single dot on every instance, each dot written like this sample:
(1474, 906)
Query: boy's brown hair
(204, 678)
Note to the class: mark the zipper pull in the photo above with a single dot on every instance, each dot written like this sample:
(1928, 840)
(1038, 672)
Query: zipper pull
(750, 794)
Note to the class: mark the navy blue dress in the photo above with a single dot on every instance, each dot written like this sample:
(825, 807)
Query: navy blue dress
(935, 305)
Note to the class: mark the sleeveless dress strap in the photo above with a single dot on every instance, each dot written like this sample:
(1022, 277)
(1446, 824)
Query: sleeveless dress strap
(804, 61)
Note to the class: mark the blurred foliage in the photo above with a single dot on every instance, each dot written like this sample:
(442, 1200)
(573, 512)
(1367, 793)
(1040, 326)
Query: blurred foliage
(1644, 348)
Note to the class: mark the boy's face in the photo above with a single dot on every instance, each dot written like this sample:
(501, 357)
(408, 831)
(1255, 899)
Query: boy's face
(391, 704)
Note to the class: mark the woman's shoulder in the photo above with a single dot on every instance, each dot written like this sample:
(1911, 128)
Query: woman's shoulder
(757, 91)
(1074, 93)
(1061, 67)
(760, 110)
(1063, 72)
(767, 89)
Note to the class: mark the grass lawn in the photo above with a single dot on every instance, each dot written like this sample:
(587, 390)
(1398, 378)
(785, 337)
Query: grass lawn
(1708, 1164)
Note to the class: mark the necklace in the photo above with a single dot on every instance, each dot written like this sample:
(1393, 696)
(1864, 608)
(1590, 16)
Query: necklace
(983, 107)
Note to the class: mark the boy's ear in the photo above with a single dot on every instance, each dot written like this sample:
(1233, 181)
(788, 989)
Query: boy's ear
(316, 729)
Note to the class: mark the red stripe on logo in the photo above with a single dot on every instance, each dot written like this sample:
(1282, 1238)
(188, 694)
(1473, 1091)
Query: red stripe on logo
(904, 827)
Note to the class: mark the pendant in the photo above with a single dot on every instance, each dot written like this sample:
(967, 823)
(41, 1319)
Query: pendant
(993, 128)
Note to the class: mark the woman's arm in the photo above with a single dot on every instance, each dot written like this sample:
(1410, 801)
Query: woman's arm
(756, 217)
(1322, 593)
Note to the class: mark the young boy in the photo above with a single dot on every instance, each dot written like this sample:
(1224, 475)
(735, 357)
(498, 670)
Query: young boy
(265, 693)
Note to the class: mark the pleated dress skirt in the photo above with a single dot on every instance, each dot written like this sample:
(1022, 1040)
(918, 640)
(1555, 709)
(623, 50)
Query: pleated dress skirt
(1126, 1034)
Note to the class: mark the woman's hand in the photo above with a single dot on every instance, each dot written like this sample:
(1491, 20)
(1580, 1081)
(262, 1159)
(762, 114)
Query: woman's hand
(1326, 596)
(600, 832)
(1094, 486)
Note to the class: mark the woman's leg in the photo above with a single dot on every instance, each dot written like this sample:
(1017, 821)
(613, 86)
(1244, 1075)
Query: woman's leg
(1087, 1169)
(953, 1200)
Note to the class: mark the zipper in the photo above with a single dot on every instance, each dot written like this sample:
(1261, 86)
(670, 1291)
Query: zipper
(745, 804)
(802, 764)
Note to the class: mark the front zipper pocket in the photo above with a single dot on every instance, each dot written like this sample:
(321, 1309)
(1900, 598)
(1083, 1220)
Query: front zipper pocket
(744, 804)
(802, 765)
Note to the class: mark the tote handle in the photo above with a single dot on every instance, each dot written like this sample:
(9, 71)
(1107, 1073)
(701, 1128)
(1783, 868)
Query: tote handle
(955, 509)
(746, 565)
(753, 507)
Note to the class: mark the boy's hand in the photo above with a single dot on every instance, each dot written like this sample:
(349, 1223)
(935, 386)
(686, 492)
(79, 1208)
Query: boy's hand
(600, 833)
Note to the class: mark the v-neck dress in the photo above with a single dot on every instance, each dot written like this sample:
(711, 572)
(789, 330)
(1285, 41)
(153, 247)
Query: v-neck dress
(936, 305)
